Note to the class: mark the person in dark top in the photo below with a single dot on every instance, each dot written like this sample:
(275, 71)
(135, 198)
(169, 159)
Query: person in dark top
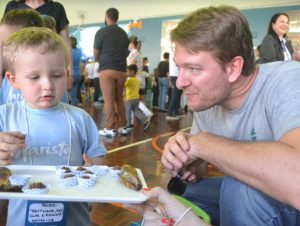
(55, 10)
(145, 64)
(163, 82)
(111, 50)
(275, 46)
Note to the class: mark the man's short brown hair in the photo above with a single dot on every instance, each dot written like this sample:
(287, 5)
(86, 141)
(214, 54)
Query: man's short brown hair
(224, 31)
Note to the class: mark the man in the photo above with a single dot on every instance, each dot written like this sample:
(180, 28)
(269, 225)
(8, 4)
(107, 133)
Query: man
(111, 50)
(246, 122)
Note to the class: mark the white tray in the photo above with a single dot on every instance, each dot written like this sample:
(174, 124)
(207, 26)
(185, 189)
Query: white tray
(106, 190)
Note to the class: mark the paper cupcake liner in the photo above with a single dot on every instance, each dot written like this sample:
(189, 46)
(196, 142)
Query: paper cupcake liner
(69, 181)
(19, 180)
(60, 170)
(99, 170)
(86, 182)
(35, 191)
(80, 170)
(114, 172)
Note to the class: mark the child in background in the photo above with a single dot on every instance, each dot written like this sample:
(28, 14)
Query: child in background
(46, 131)
(92, 68)
(49, 22)
(133, 99)
(11, 22)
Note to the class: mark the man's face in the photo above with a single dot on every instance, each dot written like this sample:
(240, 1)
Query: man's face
(203, 80)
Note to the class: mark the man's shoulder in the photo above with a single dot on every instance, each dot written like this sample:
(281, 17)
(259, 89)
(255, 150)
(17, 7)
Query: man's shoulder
(279, 68)
(278, 75)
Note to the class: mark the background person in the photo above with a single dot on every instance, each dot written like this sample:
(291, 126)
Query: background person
(135, 57)
(111, 50)
(77, 60)
(11, 22)
(92, 70)
(163, 82)
(133, 99)
(174, 106)
(246, 123)
(163, 209)
(275, 46)
(55, 10)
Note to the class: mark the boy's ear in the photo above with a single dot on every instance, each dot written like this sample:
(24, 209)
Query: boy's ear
(12, 79)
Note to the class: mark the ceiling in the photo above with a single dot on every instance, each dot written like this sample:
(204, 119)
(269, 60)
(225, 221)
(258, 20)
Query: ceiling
(92, 11)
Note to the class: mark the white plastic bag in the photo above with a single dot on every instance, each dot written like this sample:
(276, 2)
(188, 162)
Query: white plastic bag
(145, 110)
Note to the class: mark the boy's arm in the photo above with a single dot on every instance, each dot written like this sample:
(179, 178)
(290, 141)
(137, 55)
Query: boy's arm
(10, 144)
(98, 160)
(93, 161)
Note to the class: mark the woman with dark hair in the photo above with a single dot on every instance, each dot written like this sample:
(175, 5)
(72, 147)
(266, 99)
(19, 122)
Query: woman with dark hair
(275, 46)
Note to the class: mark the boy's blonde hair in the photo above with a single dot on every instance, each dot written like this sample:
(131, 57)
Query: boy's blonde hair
(42, 39)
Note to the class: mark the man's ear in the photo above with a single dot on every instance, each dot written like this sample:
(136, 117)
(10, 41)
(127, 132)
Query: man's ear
(12, 79)
(234, 68)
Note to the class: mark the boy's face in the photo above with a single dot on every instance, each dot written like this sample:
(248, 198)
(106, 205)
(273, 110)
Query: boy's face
(130, 73)
(42, 78)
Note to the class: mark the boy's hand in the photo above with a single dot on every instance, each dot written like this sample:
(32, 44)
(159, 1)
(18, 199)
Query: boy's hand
(10, 143)
(87, 160)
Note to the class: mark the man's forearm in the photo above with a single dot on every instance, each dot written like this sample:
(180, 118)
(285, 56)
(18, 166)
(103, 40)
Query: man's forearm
(271, 167)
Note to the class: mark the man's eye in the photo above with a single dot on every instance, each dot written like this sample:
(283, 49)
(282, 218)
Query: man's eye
(195, 71)
(34, 77)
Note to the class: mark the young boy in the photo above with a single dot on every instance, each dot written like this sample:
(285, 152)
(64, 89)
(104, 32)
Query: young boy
(133, 98)
(46, 131)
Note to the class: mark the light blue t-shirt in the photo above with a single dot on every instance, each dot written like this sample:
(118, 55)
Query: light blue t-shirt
(10, 95)
(50, 135)
(271, 109)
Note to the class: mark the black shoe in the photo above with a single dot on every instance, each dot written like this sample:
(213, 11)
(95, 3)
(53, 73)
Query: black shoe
(146, 125)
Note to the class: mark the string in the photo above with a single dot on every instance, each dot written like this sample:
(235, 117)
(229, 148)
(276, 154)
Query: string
(28, 137)
(182, 215)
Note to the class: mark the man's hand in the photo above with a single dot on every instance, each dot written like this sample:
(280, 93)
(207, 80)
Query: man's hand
(194, 171)
(175, 154)
(10, 143)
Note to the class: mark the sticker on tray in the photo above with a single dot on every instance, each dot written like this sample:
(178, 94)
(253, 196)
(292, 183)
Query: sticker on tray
(46, 213)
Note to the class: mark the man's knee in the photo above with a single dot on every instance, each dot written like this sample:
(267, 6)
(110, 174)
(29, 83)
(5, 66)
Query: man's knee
(240, 203)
